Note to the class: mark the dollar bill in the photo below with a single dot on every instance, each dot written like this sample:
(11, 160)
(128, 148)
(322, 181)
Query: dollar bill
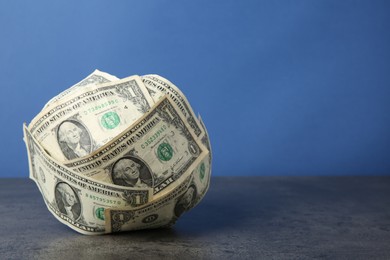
(75, 200)
(113, 155)
(159, 87)
(166, 210)
(96, 77)
(154, 152)
(90, 117)
(162, 212)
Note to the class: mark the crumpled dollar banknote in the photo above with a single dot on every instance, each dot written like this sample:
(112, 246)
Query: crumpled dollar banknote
(111, 155)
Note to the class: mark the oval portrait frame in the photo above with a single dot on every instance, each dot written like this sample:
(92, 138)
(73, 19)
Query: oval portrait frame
(145, 174)
(59, 203)
(85, 140)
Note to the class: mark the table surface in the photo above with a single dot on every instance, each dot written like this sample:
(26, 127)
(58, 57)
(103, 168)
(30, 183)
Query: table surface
(239, 218)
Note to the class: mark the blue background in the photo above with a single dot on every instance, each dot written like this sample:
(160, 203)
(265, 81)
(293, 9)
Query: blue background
(284, 87)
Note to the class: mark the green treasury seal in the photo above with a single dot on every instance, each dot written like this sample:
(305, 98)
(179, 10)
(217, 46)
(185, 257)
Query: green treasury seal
(164, 152)
(110, 120)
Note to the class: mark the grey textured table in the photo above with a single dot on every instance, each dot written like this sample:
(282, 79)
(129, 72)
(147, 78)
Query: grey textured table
(240, 218)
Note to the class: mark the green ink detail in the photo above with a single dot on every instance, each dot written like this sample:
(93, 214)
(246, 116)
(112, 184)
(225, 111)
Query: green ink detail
(202, 171)
(110, 120)
(164, 152)
(100, 213)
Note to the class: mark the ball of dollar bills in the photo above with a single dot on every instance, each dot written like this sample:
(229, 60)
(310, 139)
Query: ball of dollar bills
(112, 155)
